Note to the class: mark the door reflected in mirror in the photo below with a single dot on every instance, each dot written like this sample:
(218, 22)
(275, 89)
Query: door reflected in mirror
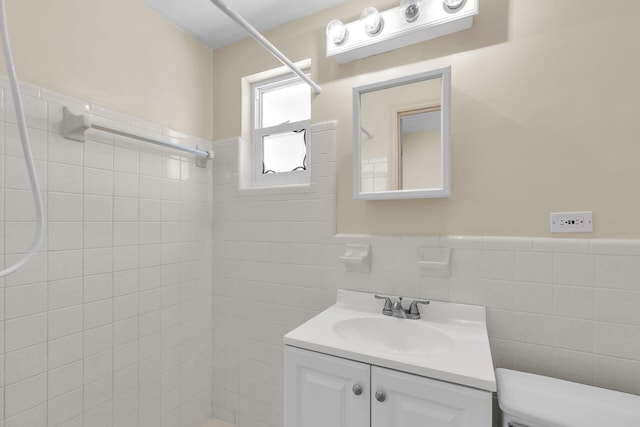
(401, 137)
(419, 151)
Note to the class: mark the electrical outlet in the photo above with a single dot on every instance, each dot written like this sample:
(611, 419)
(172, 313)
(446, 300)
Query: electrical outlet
(571, 222)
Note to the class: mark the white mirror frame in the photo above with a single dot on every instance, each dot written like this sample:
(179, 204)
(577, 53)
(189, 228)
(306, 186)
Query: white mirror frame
(445, 191)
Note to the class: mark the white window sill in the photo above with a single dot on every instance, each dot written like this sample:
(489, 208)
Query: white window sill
(276, 190)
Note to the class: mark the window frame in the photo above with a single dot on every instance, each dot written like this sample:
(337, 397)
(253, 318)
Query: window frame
(258, 178)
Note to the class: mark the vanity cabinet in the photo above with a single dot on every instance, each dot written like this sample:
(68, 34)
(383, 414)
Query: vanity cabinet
(412, 400)
(322, 391)
(328, 391)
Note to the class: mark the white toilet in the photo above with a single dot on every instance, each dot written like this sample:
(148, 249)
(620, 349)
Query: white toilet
(528, 400)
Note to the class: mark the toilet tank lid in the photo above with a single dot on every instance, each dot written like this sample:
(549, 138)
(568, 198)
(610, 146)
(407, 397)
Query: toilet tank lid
(558, 403)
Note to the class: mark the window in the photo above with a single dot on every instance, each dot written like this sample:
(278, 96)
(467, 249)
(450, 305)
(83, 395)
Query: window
(281, 116)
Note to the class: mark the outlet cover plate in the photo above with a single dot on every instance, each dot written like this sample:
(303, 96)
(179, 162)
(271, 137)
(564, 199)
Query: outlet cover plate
(571, 222)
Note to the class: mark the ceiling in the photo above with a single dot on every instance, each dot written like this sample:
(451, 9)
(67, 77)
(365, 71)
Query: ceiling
(204, 21)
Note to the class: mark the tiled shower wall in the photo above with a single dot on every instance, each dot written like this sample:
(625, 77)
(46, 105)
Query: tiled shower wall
(561, 307)
(110, 324)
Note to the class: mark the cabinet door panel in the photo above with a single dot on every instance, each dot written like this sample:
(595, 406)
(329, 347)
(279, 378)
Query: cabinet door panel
(318, 390)
(422, 402)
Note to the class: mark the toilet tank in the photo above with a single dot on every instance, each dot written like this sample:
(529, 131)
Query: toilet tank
(529, 400)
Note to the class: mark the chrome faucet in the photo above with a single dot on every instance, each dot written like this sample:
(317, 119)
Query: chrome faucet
(395, 309)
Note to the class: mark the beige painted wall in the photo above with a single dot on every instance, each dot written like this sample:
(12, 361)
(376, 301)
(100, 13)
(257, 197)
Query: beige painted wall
(119, 54)
(545, 99)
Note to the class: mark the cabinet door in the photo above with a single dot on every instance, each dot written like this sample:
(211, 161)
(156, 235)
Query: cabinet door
(411, 400)
(319, 390)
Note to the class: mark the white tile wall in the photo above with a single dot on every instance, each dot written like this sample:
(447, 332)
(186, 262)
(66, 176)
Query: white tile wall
(561, 307)
(113, 324)
(110, 325)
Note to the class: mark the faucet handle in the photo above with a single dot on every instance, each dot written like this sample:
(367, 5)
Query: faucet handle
(387, 305)
(414, 313)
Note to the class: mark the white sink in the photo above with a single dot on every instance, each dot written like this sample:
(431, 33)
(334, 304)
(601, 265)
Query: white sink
(449, 342)
(390, 334)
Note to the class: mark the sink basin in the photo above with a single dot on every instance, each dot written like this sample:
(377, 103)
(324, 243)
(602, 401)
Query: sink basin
(449, 342)
(388, 334)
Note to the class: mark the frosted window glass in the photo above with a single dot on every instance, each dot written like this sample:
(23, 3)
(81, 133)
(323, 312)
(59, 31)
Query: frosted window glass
(291, 103)
(284, 152)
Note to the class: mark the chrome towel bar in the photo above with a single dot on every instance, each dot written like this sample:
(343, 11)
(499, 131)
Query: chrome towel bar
(74, 126)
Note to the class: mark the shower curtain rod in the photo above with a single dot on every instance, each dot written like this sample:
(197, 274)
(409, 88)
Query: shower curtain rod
(74, 126)
(265, 43)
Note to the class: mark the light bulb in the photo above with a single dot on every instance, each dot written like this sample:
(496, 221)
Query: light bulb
(336, 32)
(453, 4)
(410, 9)
(371, 21)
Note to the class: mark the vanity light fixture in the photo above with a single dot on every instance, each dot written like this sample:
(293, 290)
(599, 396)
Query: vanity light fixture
(453, 4)
(336, 32)
(371, 21)
(410, 9)
(412, 21)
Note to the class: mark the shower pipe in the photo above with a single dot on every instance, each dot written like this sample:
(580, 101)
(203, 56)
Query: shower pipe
(366, 132)
(26, 147)
(265, 43)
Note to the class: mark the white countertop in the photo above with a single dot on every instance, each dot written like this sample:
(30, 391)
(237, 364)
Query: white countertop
(464, 358)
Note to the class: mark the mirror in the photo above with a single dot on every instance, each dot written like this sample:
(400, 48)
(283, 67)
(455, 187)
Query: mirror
(401, 133)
